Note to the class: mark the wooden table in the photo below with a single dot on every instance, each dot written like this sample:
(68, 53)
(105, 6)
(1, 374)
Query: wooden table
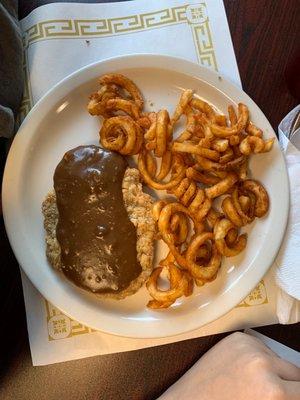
(264, 35)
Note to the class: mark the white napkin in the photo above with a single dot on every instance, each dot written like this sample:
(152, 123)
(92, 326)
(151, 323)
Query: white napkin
(288, 259)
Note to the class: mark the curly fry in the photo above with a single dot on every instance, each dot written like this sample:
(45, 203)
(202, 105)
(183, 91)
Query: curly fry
(221, 230)
(192, 197)
(252, 130)
(180, 285)
(194, 149)
(220, 145)
(252, 144)
(181, 106)
(268, 145)
(157, 207)
(234, 140)
(162, 132)
(262, 197)
(220, 120)
(212, 217)
(203, 106)
(127, 106)
(208, 165)
(165, 167)
(121, 134)
(165, 229)
(231, 212)
(169, 259)
(190, 125)
(159, 133)
(221, 187)
(179, 227)
(126, 84)
(232, 116)
(151, 164)
(207, 271)
(227, 156)
(178, 167)
(150, 135)
(224, 132)
(247, 214)
(185, 135)
(98, 100)
(204, 177)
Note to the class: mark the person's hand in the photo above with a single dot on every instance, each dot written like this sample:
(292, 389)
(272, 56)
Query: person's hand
(239, 367)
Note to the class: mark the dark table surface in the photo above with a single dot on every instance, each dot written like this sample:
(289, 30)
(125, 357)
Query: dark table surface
(265, 35)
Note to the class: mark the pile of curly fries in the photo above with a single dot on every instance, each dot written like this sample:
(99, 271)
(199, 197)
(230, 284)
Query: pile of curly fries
(207, 160)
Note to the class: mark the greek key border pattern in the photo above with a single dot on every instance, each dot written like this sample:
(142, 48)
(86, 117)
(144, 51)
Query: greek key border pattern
(204, 45)
(74, 28)
(26, 103)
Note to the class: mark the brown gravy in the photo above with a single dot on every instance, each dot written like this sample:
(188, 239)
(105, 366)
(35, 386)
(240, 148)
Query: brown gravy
(97, 239)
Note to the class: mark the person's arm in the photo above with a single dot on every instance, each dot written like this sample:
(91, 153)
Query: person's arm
(239, 367)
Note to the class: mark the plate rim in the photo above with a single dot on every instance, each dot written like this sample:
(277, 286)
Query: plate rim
(74, 80)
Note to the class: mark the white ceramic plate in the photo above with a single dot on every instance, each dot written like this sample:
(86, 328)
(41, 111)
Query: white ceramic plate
(59, 122)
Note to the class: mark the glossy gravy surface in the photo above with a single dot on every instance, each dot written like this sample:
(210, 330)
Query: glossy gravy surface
(97, 239)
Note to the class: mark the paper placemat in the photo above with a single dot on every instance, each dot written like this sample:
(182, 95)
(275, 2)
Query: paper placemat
(58, 40)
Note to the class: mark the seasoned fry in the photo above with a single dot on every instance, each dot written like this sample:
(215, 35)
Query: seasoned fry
(231, 212)
(268, 145)
(190, 128)
(220, 145)
(205, 177)
(159, 133)
(232, 115)
(193, 198)
(180, 285)
(208, 165)
(185, 135)
(221, 187)
(208, 270)
(262, 197)
(151, 164)
(126, 84)
(221, 230)
(121, 134)
(253, 130)
(247, 214)
(220, 120)
(177, 176)
(212, 217)
(224, 132)
(208, 159)
(202, 106)
(252, 144)
(179, 227)
(162, 132)
(157, 207)
(127, 106)
(227, 156)
(193, 149)
(165, 167)
(97, 103)
(184, 100)
(234, 140)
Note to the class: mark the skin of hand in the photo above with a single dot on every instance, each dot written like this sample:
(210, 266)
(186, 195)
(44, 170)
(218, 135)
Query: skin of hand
(239, 367)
